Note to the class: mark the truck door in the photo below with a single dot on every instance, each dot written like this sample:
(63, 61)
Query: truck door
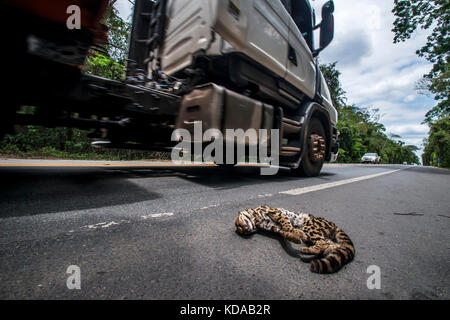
(301, 70)
(267, 34)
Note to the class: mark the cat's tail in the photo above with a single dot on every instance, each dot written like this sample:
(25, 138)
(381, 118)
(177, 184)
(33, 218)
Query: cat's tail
(336, 255)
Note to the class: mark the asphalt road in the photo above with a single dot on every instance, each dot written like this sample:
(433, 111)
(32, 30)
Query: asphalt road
(160, 232)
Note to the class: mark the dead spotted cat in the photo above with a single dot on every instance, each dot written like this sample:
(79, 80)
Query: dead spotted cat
(330, 248)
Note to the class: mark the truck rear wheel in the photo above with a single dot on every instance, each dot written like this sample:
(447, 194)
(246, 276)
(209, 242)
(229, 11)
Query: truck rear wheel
(315, 148)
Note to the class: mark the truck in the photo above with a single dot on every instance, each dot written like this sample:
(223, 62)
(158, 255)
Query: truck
(229, 64)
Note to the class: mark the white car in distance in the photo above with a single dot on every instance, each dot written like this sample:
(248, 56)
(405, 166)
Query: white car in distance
(370, 158)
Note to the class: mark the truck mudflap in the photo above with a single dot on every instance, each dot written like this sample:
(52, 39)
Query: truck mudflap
(222, 109)
(334, 145)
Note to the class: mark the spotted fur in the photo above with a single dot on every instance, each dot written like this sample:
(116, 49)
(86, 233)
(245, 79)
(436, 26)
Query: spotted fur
(328, 246)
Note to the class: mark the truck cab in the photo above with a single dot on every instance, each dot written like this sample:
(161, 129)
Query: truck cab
(260, 49)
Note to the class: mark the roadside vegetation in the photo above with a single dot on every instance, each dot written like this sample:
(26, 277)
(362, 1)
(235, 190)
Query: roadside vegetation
(360, 130)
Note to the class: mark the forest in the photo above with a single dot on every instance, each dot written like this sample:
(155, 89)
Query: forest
(359, 127)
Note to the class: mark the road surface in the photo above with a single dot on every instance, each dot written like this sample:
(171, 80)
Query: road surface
(167, 232)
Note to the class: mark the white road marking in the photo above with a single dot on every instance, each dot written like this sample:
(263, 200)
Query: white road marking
(112, 223)
(298, 191)
(157, 215)
(264, 195)
(95, 226)
(209, 207)
(102, 225)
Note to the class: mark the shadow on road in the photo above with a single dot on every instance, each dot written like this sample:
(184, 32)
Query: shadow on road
(230, 178)
(33, 191)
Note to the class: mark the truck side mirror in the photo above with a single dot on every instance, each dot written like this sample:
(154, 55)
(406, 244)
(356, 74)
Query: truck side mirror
(326, 26)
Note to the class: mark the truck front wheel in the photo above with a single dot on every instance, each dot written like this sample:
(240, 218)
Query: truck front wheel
(315, 149)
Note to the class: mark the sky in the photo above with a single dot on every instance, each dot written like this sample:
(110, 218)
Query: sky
(124, 7)
(375, 72)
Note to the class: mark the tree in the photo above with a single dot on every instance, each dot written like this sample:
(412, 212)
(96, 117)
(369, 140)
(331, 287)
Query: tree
(331, 75)
(426, 14)
(109, 61)
(437, 145)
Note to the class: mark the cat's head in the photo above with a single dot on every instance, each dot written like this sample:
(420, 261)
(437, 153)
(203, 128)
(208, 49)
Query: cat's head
(245, 223)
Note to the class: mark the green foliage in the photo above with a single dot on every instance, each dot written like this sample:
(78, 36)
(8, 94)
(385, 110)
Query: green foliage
(360, 131)
(426, 14)
(109, 61)
(440, 87)
(101, 65)
(118, 35)
(331, 75)
(64, 143)
(438, 143)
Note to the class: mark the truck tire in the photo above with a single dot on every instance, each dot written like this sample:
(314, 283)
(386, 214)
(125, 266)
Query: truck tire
(315, 148)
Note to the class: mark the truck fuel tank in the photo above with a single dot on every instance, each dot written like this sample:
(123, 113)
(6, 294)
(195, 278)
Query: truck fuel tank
(219, 108)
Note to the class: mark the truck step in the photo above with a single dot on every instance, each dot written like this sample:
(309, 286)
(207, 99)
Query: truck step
(289, 151)
(290, 127)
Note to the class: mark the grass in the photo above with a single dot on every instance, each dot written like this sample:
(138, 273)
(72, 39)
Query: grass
(109, 154)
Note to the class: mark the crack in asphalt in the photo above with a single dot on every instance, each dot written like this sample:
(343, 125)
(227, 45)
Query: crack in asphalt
(408, 214)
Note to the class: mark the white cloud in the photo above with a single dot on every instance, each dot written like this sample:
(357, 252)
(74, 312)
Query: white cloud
(409, 130)
(410, 98)
(124, 7)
